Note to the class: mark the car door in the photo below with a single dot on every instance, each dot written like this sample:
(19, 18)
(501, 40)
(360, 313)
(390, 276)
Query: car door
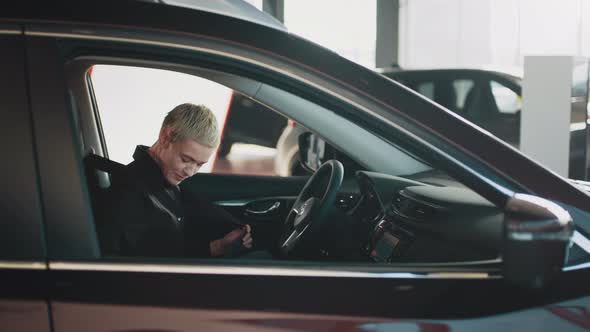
(23, 291)
(92, 292)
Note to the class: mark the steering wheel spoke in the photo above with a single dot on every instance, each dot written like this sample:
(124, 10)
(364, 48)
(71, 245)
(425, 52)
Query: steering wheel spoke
(289, 243)
(309, 210)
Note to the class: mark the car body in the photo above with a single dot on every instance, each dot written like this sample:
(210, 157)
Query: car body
(485, 234)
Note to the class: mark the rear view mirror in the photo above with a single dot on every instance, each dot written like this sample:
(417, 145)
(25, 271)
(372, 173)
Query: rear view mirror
(537, 236)
(312, 151)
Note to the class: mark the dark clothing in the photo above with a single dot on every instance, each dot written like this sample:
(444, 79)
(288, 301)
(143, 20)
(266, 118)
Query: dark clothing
(148, 217)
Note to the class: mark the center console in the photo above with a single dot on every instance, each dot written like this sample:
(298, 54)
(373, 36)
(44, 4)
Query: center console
(388, 241)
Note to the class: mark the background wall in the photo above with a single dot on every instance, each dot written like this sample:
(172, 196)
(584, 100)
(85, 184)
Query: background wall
(490, 33)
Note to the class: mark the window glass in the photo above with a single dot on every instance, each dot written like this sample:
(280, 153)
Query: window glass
(133, 101)
(462, 88)
(426, 89)
(508, 101)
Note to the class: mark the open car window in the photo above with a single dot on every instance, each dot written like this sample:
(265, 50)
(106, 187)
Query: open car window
(256, 136)
(131, 112)
(391, 207)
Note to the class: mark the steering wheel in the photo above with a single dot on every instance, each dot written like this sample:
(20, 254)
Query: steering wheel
(311, 207)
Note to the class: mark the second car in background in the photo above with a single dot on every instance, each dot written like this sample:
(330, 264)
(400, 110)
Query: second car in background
(490, 99)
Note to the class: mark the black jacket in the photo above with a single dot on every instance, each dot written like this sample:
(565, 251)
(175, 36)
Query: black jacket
(146, 216)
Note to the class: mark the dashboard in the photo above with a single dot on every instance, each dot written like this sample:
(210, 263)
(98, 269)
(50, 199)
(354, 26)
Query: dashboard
(409, 220)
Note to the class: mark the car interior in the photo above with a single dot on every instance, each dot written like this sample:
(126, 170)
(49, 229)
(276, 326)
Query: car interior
(369, 201)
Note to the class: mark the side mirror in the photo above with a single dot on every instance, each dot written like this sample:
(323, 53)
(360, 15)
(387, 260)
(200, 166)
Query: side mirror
(312, 151)
(537, 237)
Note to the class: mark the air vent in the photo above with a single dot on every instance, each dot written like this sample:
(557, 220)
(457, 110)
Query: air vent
(410, 208)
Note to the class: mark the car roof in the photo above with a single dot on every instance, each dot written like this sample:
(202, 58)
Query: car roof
(442, 72)
(235, 8)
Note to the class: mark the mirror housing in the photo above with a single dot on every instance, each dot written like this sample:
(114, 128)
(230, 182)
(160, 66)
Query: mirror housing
(537, 237)
(312, 151)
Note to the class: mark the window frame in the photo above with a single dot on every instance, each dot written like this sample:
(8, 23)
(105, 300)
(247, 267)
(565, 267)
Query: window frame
(345, 115)
(22, 236)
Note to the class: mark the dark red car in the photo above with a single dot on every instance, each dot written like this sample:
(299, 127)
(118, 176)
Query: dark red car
(413, 217)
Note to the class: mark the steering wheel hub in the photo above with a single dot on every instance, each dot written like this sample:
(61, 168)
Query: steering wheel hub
(303, 212)
(311, 206)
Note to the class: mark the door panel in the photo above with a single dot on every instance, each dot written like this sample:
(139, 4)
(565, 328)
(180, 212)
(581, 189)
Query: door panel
(385, 297)
(23, 297)
(563, 316)
(225, 187)
(263, 202)
(266, 217)
(226, 289)
(138, 301)
(19, 315)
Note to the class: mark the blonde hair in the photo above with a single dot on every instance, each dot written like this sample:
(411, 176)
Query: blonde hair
(195, 122)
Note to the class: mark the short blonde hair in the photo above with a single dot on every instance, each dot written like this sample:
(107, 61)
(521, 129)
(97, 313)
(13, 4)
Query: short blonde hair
(195, 122)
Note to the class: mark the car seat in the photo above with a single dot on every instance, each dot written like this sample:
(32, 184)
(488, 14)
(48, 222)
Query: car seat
(101, 173)
(444, 94)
